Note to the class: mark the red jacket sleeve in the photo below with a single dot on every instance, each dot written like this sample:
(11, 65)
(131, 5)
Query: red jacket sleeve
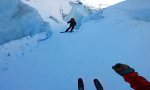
(137, 82)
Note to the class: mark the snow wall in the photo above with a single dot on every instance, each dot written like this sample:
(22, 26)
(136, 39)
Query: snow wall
(18, 20)
(78, 11)
(82, 13)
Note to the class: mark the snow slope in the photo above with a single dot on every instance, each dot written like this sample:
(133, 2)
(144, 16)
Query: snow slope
(57, 63)
(19, 20)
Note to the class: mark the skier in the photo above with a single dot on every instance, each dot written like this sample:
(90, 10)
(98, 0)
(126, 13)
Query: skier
(72, 25)
(136, 82)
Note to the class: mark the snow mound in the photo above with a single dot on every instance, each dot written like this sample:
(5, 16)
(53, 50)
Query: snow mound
(19, 20)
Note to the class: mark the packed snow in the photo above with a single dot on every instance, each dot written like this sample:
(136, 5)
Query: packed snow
(120, 34)
(19, 20)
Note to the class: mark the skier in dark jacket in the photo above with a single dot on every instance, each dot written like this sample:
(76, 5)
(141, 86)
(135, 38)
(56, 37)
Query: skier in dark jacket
(72, 25)
(136, 82)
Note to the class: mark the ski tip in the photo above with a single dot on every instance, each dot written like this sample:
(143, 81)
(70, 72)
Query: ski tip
(98, 85)
(80, 84)
(95, 80)
(79, 79)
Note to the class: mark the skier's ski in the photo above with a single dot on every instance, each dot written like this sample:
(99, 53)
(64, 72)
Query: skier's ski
(62, 32)
(98, 84)
(80, 84)
(66, 32)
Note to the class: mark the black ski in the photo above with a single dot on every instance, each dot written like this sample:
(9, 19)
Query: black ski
(98, 84)
(80, 84)
(62, 32)
(67, 32)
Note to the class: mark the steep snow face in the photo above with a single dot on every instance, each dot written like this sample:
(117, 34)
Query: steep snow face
(19, 20)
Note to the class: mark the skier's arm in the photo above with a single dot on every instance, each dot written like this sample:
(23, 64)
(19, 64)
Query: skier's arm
(136, 82)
